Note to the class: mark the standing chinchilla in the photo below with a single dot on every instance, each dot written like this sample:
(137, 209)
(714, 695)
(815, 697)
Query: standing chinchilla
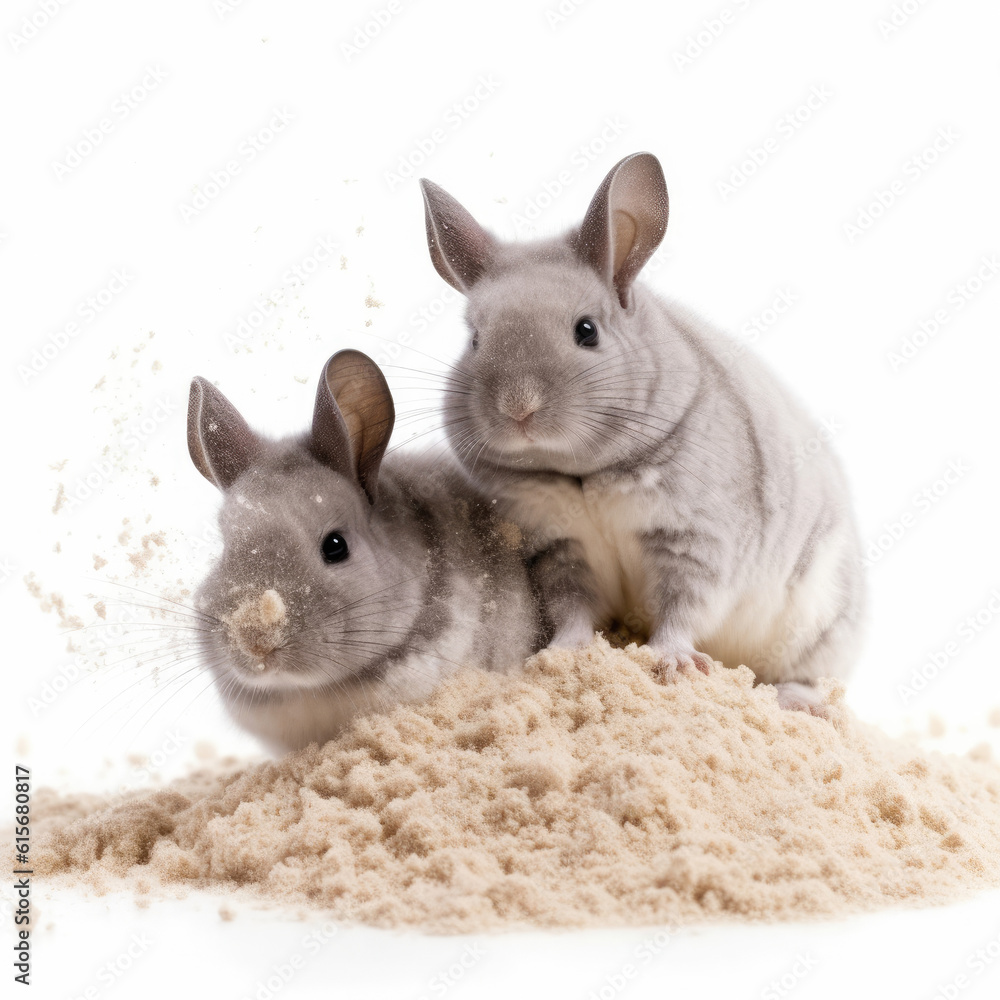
(346, 583)
(655, 470)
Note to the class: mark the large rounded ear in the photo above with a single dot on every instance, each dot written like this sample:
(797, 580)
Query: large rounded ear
(460, 248)
(625, 222)
(220, 441)
(353, 418)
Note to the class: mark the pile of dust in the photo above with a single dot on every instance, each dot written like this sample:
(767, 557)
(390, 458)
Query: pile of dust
(577, 792)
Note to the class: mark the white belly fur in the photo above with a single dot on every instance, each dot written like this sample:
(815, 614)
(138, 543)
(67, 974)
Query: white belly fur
(762, 620)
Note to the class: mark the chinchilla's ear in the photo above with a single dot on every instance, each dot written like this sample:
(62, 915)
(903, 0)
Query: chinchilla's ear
(460, 248)
(220, 441)
(625, 222)
(353, 418)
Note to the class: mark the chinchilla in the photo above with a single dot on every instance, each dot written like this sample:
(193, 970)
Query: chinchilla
(665, 480)
(346, 583)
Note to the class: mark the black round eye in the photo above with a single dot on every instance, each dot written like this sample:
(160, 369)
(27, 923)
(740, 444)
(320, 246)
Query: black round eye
(334, 547)
(586, 332)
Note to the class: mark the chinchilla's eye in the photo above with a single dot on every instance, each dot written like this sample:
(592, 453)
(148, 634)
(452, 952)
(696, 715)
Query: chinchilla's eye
(334, 547)
(586, 332)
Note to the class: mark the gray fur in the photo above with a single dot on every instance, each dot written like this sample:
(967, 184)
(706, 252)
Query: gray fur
(434, 579)
(654, 474)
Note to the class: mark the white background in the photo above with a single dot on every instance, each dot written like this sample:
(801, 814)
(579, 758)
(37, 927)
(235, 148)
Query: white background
(547, 103)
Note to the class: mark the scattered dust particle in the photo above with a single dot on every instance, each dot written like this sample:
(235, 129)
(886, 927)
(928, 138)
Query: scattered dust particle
(60, 499)
(143, 903)
(368, 322)
(302, 379)
(60, 465)
(204, 750)
(226, 914)
(995, 717)
(99, 562)
(114, 354)
(154, 480)
(343, 263)
(935, 726)
(57, 547)
(124, 537)
(101, 610)
(137, 759)
(981, 751)
(359, 230)
(99, 384)
(152, 334)
(371, 302)
(156, 366)
(140, 559)
(510, 533)
(575, 792)
(52, 602)
(23, 747)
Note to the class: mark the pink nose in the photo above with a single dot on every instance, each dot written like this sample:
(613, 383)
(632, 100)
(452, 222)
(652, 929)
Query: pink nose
(519, 404)
(521, 414)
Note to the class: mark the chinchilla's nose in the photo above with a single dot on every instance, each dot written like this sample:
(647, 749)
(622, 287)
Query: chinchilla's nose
(519, 402)
(257, 626)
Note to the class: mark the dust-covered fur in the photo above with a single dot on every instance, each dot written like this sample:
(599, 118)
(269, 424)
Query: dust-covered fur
(433, 580)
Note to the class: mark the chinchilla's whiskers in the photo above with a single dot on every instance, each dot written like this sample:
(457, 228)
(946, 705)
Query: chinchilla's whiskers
(185, 608)
(110, 704)
(364, 597)
(377, 648)
(438, 427)
(666, 426)
(191, 674)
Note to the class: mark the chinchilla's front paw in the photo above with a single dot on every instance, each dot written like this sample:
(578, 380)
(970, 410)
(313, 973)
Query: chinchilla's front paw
(671, 665)
(794, 696)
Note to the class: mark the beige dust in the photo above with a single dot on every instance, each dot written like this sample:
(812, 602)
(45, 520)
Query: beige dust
(579, 792)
